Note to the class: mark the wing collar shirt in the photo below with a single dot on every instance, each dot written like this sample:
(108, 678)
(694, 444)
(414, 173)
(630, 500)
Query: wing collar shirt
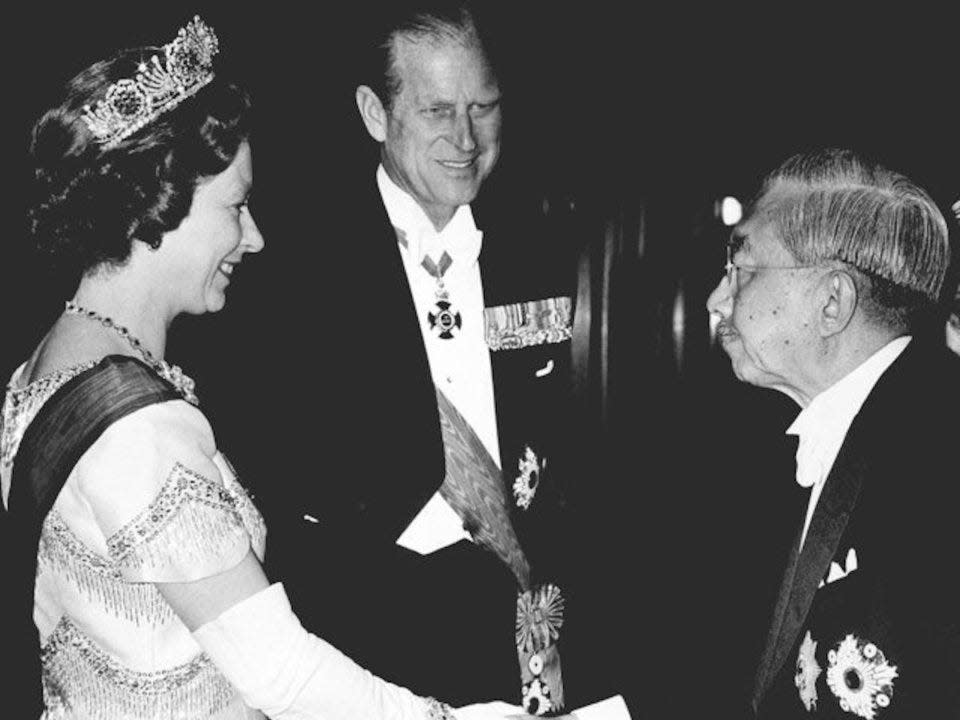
(823, 424)
(460, 366)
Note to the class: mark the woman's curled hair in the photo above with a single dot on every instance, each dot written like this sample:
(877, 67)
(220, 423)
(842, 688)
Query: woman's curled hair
(89, 203)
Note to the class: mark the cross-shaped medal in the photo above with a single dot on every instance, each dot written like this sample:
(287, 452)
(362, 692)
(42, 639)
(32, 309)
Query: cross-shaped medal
(444, 320)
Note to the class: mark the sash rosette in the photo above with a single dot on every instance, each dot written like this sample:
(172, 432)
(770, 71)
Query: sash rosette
(539, 619)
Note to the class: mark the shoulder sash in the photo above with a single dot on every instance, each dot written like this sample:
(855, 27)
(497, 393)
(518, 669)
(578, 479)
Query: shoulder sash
(62, 431)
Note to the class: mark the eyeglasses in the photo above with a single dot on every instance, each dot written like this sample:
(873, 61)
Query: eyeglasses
(732, 269)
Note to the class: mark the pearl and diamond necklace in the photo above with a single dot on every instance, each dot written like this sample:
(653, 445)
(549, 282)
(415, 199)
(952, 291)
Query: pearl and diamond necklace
(172, 373)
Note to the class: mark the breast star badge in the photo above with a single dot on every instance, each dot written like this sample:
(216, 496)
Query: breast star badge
(808, 670)
(860, 677)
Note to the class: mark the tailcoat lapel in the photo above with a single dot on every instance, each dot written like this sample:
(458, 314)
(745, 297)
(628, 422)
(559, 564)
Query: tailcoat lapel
(386, 348)
(765, 672)
(806, 569)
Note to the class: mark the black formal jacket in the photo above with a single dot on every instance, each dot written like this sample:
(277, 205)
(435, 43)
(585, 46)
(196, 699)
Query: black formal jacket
(364, 453)
(891, 496)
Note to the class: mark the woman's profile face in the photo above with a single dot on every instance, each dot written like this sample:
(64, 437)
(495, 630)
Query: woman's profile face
(213, 238)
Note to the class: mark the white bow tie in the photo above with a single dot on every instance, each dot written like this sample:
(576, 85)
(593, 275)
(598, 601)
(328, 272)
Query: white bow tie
(429, 244)
(463, 249)
(809, 465)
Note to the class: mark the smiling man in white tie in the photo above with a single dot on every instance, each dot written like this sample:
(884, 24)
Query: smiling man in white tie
(835, 265)
(448, 400)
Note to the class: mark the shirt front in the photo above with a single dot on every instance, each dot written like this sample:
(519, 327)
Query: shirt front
(823, 424)
(459, 365)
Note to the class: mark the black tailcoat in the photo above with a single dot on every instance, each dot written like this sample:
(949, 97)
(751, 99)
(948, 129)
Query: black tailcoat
(367, 455)
(891, 496)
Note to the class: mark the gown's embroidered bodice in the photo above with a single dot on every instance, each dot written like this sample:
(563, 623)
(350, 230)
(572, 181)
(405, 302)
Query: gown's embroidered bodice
(152, 500)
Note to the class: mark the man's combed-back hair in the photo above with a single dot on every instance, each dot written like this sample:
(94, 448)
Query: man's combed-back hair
(834, 205)
(89, 203)
(423, 21)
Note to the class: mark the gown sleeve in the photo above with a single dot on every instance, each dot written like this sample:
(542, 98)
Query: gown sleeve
(154, 484)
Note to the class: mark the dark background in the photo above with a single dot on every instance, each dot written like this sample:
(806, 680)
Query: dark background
(624, 124)
(609, 107)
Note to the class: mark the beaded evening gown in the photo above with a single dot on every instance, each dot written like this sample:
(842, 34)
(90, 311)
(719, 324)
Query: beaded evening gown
(152, 500)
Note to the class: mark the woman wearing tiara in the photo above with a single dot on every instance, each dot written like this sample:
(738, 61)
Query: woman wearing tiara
(139, 552)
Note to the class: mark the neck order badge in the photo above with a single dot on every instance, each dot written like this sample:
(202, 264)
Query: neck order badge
(444, 319)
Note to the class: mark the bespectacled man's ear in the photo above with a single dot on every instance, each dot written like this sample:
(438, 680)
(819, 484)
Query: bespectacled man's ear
(840, 300)
(372, 112)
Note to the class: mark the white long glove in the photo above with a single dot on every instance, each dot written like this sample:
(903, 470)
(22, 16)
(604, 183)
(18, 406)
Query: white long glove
(289, 674)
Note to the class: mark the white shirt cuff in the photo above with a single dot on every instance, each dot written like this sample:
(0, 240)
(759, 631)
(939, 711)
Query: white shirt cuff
(436, 526)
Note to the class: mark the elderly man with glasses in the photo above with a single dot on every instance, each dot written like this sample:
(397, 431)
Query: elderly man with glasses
(829, 274)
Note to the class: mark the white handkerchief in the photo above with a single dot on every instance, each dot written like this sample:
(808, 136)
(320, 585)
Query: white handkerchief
(836, 572)
(435, 527)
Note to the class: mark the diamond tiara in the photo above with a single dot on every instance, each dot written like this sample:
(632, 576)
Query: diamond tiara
(159, 86)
